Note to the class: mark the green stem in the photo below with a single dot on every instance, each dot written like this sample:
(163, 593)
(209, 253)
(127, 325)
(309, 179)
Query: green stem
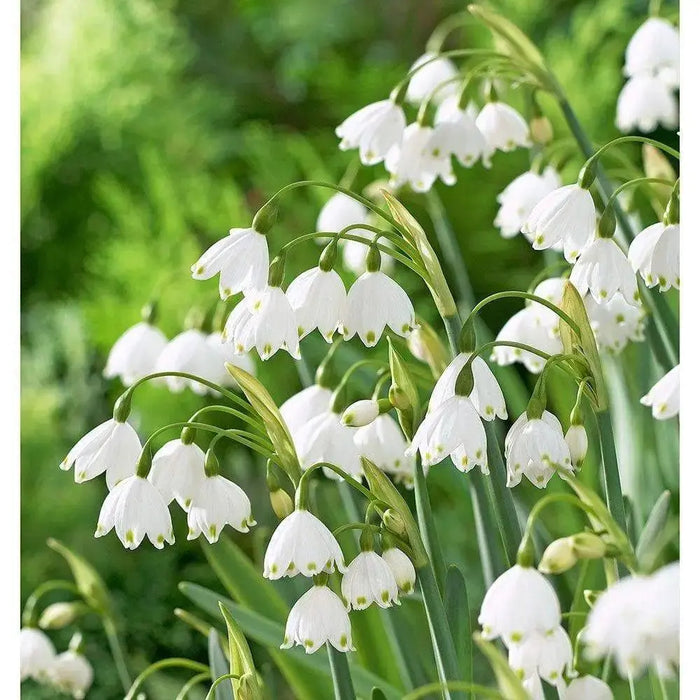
(160, 665)
(117, 652)
(226, 677)
(191, 683)
(452, 685)
(340, 671)
(613, 487)
(29, 617)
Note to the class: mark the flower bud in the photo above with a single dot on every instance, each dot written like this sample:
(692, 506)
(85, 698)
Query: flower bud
(281, 503)
(541, 130)
(361, 413)
(393, 522)
(586, 545)
(558, 557)
(577, 441)
(425, 345)
(399, 399)
(59, 615)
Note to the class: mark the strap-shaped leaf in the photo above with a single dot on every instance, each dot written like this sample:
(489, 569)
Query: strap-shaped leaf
(401, 379)
(240, 658)
(655, 533)
(459, 618)
(219, 667)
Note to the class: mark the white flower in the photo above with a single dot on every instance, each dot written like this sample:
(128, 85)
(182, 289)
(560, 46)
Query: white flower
(546, 654)
(317, 298)
(536, 447)
(520, 197)
(326, 438)
(135, 509)
(401, 567)
(456, 133)
(374, 129)
(565, 217)
(655, 49)
(361, 413)
(637, 621)
(646, 102)
(533, 688)
(602, 269)
(225, 353)
(299, 409)
(615, 322)
(520, 602)
(369, 579)
(375, 301)
(383, 444)
(319, 616)
(486, 395)
(428, 80)
(216, 503)
(187, 352)
(355, 254)
(302, 544)
(111, 447)
(135, 352)
(577, 442)
(587, 688)
(452, 427)
(341, 211)
(177, 471)
(241, 258)
(36, 654)
(503, 127)
(655, 254)
(665, 396)
(264, 320)
(71, 673)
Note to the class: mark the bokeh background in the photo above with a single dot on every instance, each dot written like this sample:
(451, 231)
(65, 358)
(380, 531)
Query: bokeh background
(151, 127)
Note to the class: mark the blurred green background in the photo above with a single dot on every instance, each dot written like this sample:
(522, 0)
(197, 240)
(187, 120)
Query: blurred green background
(151, 127)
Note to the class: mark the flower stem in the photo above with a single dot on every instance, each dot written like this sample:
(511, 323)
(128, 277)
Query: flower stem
(117, 652)
(480, 690)
(613, 487)
(164, 663)
(191, 683)
(340, 671)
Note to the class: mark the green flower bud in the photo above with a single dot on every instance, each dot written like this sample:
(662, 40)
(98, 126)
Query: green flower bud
(541, 130)
(393, 522)
(586, 545)
(558, 557)
(59, 615)
(281, 503)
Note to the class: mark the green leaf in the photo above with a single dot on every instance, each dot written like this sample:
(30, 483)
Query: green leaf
(459, 618)
(240, 659)
(508, 683)
(657, 532)
(377, 694)
(403, 392)
(219, 667)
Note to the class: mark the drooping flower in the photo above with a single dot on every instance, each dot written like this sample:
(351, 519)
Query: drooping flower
(135, 352)
(452, 428)
(319, 616)
(645, 103)
(217, 372)
(533, 687)
(192, 353)
(547, 654)
(519, 603)
(535, 447)
(431, 79)
(615, 323)
(520, 197)
(503, 127)
(603, 270)
(177, 471)
(71, 673)
(665, 396)
(401, 567)
(655, 255)
(135, 509)
(299, 409)
(113, 448)
(369, 579)
(361, 413)
(577, 442)
(383, 444)
(241, 258)
(341, 211)
(456, 133)
(36, 654)
(587, 688)
(354, 254)
(564, 217)
(218, 502)
(317, 298)
(263, 320)
(302, 544)
(374, 129)
(486, 395)
(654, 49)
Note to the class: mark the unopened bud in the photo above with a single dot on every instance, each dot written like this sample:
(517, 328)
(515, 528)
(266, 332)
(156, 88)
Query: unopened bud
(577, 441)
(247, 687)
(425, 345)
(541, 130)
(59, 615)
(361, 413)
(399, 399)
(558, 557)
(394, 522)
(586, 545)
(281, 503)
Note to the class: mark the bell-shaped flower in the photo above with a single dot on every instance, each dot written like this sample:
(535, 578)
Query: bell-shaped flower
(135, 509)
(36, 654)
(177, 471)
(577, 442)
(374, 302)
(187, 352)
(374, 129)
(615, 322)
(135, 352)
(456, 133)
(302, 544)
(341, 211)
(645, 103)
(535, 447)
(533, 687)
(655, 49)
(434, 79)
(263, 320)
(383, 444)
(452, 428)
(665, 396)
(326, 438)
(369, 579)
(547, 654)
(112, 448)
(603, 270)
(317, 298)
(564, 217)
(519, 603)
(520, 197)
(319, 616)
(655, 253)
(71, 673)
(218, 502)
(587, 688)
(486, 395)
(216, 371)
(241, 258)
(299, 409)
(354, 254)
(503, 127)
(402, 569)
